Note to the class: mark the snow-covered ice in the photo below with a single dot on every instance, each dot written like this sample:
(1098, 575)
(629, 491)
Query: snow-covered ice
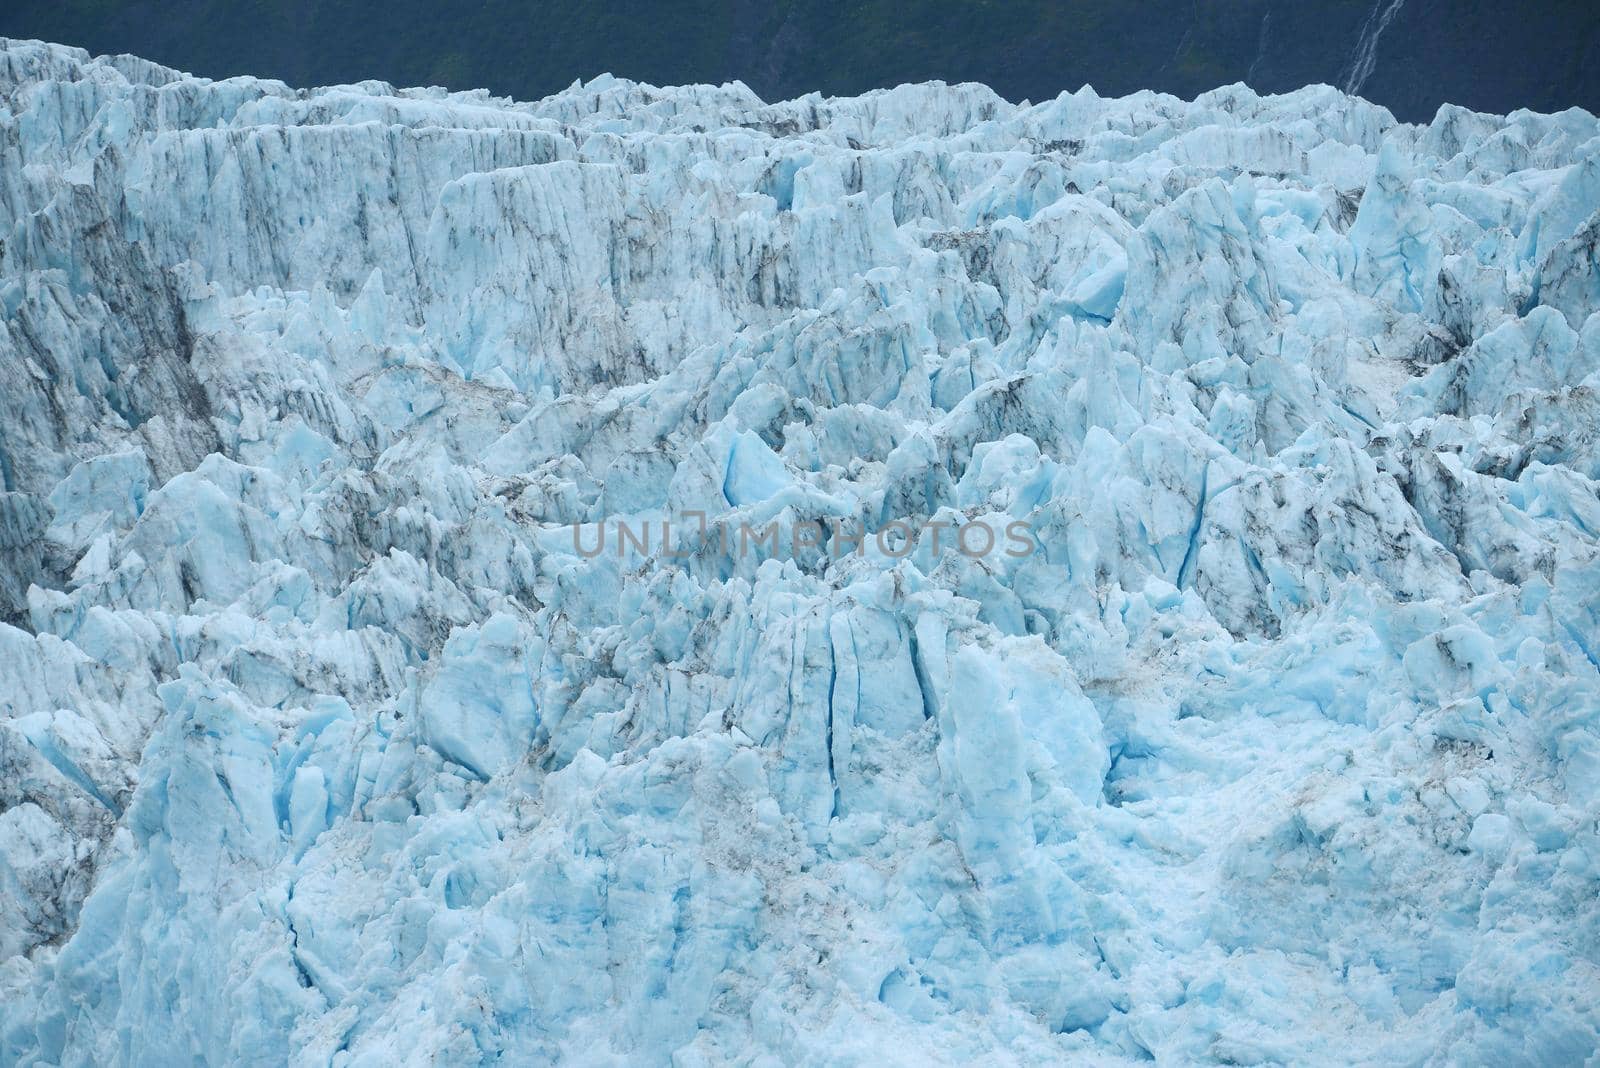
(323, 743)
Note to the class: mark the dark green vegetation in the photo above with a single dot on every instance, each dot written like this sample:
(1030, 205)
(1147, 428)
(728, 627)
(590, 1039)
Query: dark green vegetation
(1487, 56)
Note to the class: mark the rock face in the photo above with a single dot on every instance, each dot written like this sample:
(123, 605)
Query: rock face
(338, 725)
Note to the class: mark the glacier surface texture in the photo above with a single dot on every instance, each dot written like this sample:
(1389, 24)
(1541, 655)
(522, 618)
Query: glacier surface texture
(326, 738)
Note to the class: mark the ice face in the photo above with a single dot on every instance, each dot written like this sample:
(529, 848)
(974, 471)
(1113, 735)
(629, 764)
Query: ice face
(328, 737)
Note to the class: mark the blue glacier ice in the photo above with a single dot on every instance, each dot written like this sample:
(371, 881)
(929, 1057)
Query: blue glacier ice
(325, 739)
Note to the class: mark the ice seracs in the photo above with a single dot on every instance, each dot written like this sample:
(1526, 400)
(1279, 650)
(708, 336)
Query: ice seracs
(323, 742)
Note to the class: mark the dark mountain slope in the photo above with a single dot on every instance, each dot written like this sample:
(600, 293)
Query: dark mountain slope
(1410, 55)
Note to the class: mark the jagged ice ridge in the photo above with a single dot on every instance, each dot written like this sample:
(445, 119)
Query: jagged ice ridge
(321, 745)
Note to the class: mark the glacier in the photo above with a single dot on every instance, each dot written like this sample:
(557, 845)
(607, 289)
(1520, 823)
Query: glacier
(324, 740)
